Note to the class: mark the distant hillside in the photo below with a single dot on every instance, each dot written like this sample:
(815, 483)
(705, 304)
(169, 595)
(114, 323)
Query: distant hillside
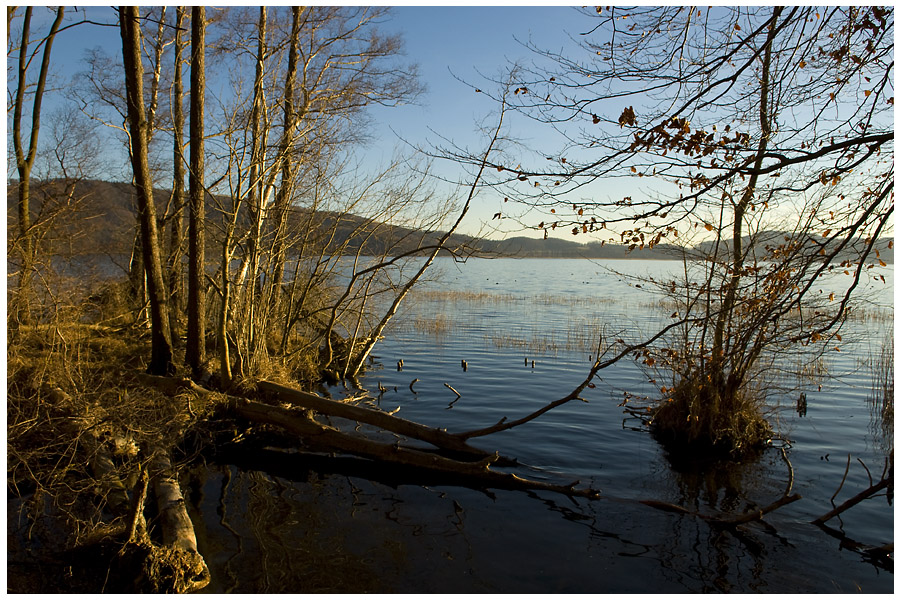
(103, 221)
(774, 239)
(557, 248)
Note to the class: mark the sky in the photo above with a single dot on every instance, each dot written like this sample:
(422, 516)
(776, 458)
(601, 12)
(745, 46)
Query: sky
(449, 43)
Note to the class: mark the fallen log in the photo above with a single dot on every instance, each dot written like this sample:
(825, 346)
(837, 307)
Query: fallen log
(326, 437)
(437, 437)
(177, 528)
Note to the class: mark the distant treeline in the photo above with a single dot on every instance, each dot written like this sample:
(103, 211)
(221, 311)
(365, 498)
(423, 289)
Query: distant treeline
(102, 220)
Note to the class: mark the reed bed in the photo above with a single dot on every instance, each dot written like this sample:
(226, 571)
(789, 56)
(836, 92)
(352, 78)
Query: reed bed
(571, 301)
(871, 314)
(535, 344)
(467, 296)
(437, 325)
(881, 400)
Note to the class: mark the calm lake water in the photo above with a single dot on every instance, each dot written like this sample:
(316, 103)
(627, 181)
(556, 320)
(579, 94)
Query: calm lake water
(271, 522)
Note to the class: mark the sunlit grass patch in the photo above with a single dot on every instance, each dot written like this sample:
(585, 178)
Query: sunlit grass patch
(535, 344)
(466, 296)
(871, 314)
(437, 325)
(696, 417)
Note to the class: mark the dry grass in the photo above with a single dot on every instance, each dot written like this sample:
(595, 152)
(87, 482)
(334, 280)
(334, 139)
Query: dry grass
(871, 314)
(697, 418)
(466, 296)
(438, 325)
(535, 344)
(79, 426)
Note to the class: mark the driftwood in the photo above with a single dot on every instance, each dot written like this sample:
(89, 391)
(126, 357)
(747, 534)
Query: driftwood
(301, 423)
(436, 437)
(177, 529)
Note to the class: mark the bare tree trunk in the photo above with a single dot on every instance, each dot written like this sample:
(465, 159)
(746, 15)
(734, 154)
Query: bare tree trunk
(157, 71)
(137, 270)
(196, 334)
(256, 196)
(175, 271)
(719, 341)
(25, 162)
(287, 168)
(161, 344)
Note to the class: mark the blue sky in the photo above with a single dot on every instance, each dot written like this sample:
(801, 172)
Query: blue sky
(447, 42)
(468, 44)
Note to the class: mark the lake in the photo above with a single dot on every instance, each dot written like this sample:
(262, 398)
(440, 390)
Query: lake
(527, 328)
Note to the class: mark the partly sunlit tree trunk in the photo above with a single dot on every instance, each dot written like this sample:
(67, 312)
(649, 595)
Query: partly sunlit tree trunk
(196, 328)
(25, 159)
(161, 344)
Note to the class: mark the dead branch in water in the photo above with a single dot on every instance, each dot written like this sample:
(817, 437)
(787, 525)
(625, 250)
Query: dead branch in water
(325, 437)
(869, 491)
(436, 437)
(747, 517)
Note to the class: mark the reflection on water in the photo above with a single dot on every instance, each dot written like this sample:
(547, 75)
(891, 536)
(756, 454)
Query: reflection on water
(276, 522)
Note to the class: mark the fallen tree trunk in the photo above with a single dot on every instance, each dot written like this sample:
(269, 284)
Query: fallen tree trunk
(325, 436)
(437, 437)
(329, 438)
(177, 528)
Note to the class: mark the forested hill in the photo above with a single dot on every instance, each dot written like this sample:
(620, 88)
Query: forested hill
(99, 217)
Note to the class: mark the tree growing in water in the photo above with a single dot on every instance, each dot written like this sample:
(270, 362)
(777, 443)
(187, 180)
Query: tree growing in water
(738, 122)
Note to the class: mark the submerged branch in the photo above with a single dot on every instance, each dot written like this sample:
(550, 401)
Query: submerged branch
(436, 437)
(503, 424)
(869, 491)
(321, 436)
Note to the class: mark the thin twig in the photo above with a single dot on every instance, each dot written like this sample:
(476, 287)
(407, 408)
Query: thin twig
(847, 470)
(866, 468)
(790, 483)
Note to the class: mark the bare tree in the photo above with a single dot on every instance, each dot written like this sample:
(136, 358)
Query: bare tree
(161, 349)
(25, 158)
(736, 122)
(196, 328)
(174, 262)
